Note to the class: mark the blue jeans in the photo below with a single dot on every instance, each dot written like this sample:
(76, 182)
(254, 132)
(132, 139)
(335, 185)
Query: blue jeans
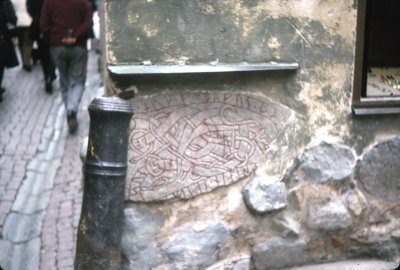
(71, 62)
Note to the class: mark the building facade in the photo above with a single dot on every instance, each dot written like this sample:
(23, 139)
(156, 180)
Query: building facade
(255, 142)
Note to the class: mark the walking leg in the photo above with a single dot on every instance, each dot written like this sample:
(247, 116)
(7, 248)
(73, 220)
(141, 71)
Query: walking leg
(77, 77)
(60, 59)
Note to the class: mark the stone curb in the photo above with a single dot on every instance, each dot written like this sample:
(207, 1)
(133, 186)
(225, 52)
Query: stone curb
(23, 226)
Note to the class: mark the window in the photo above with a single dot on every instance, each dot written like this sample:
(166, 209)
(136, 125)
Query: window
(376, 87)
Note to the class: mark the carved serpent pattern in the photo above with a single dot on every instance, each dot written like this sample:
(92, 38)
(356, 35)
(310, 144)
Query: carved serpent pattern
(187, 144)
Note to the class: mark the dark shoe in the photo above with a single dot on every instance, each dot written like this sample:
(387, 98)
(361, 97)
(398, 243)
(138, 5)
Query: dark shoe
(2, 90)
(53, 76)
(72, 122)
(49, 88)
(35, 56)
(27, 68)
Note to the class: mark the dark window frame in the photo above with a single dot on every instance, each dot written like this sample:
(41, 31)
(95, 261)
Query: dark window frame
(361, 104)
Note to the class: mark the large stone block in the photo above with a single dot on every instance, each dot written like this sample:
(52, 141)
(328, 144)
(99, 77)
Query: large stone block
(262, 196)
(278, 253)
(330, 216)
(325, 162)
(379, 170)
(139, 246)
(197, 248)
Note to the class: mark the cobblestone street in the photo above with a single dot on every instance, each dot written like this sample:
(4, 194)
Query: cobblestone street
(40, 171)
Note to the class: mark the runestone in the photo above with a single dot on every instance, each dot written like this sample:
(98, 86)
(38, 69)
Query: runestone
(186, 144)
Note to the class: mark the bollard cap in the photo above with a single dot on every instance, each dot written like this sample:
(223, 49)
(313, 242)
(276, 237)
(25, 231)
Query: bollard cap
(111, 104)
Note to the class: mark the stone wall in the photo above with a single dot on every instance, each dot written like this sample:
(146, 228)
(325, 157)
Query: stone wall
(331, 205)
(258, 169)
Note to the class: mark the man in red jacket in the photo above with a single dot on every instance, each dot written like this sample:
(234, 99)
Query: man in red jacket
(66, 25)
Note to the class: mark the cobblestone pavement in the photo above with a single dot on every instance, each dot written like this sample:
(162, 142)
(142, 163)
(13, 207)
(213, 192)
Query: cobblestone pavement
(40, 171)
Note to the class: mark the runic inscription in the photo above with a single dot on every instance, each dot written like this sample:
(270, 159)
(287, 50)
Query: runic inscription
(183, 145)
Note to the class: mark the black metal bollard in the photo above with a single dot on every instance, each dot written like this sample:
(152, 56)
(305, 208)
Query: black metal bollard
(100, 225)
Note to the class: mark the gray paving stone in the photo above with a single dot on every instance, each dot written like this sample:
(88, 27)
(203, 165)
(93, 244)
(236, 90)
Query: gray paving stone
(41, 184)
(26, 186)
(32, 203)
(60, 122)
(44, 144)
(6, 249)
(59, 153)
(48, 132)
(44, 164)
(34, 164)
(26, 255)
(57, 135)
(20, 228)
(51, 150)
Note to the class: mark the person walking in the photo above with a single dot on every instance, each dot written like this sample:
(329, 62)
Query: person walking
(8, 57)
(49, 71)
(24, 40)
(66, 24)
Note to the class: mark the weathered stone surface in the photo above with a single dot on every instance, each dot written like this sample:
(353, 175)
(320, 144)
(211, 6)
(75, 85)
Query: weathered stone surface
(356, 201)
(6, 248)
(197, 248)
(28, 203)
(396, 234)
(237, 263)
(374, 234)
(278, 252)
(25, 255)
(262, 196)
(252, 31)
(139, 247)
(325, 162)
(379, 169)
(377, 213)
(287, 225)
(330, 216)
(243, 264)
(382, 223)
(20, 227)
(387, 251)
(183, 145)
(296, 197)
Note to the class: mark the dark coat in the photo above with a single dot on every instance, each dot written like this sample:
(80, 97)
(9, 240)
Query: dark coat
(8, 57)
(34, 8)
